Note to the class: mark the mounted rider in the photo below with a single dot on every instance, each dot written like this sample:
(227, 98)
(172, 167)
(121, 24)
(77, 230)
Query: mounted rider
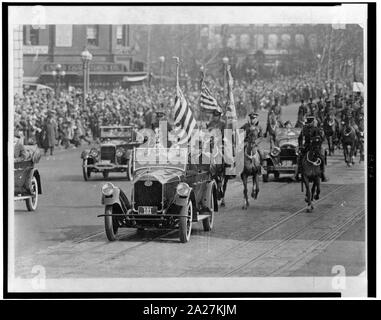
(252, 127)
(312, 109)
(302, 113)
(309, 132)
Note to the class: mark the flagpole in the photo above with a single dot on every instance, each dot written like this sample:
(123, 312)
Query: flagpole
(177, 73)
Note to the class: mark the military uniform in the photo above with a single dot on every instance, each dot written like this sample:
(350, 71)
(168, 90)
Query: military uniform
(256, 130)
(306, 135)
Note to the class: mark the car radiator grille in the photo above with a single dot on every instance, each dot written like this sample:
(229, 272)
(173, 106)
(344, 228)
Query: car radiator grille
(147, 196)
(108, 153)
(287, 152)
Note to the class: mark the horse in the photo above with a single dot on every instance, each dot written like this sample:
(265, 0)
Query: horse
(311, 172)
(349, 142)
(251, 168)
(272, 127)
(329, 127)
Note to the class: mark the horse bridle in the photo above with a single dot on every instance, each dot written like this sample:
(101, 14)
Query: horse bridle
(315, 163)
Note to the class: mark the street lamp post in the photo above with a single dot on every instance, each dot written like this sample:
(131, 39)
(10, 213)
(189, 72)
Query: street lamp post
(225, 61)
(86, 57)
(58, 74)
(162, 60)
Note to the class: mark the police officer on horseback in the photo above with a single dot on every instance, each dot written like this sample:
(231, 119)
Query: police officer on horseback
(252, 127)
(308, 133)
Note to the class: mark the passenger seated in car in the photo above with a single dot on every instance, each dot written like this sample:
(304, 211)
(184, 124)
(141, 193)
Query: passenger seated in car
(18, 146)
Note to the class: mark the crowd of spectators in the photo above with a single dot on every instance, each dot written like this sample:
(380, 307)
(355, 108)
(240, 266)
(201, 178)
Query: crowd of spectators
(50, 120)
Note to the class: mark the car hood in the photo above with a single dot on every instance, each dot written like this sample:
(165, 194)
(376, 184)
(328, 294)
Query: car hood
(114, 143)
(163, 175)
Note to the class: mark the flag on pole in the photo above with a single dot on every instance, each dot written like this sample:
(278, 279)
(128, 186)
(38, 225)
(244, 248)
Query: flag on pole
(207, 102)
(231, 114)
(184, 122)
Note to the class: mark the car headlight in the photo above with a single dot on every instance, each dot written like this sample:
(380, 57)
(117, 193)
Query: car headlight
(275, 151)
(108, 189)
(182, 189)
(94, 153)
(120, 152)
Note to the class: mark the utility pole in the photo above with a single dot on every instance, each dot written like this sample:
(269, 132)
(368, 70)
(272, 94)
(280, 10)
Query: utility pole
(149, 51)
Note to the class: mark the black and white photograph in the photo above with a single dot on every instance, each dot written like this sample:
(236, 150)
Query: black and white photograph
(187, 149)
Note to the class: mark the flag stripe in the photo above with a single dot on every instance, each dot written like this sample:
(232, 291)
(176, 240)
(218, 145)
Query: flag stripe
(184, 121)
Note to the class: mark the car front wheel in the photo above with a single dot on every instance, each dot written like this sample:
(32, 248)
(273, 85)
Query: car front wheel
(32, 202)
(111, 226)
(185, 224)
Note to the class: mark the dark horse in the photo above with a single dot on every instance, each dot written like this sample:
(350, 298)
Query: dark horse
(251, 168)
(330, 127)
(349, 142)
(217, 172)
(311, 172)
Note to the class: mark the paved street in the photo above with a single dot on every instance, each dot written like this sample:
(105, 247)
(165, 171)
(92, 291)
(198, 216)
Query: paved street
(274, 237)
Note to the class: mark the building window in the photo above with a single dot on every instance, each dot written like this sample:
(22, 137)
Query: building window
(259, 41)
(120, 35)
(286, 41)
(92, 35)
(31, 36)
(299, 40)
(273, 41)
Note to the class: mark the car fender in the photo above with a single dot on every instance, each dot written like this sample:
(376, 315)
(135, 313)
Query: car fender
(85, 154)
(119, 198)
(210, 187)
(33, 172)
(183, 201)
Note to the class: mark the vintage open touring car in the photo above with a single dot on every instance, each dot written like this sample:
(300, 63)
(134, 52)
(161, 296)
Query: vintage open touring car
(27, 180)
(283, 158)
(169, 191)
(114, 154)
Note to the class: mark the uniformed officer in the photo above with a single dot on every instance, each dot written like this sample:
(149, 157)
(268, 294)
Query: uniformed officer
(277, 109)
(310, 131)
(302, 113)
(253, 127)
(312, 108)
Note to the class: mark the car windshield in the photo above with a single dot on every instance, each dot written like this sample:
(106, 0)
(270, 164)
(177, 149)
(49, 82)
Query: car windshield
(147, 158)
(116, 132)
(288, 136)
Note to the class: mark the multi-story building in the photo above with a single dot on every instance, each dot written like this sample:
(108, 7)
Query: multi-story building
(46, 46)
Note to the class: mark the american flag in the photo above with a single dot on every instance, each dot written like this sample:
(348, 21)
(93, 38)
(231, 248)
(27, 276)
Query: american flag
(207, 102)
(184, 122)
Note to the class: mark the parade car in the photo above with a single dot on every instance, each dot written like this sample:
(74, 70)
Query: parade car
(113, 155)
(169, 192)
(27, 180)
(283, 157)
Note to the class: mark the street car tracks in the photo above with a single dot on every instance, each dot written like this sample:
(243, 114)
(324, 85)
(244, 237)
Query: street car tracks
(320, 244)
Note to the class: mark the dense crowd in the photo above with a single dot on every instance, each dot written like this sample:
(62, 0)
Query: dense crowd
(49, 120)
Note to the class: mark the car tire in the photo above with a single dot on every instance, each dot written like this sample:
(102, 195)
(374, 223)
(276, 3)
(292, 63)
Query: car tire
(185, 223)
(31, 203)
(276, 175)
(111, 227)
(265, 177)
(105, 174)
(130, 174)
(208, 222)
(86, 172)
